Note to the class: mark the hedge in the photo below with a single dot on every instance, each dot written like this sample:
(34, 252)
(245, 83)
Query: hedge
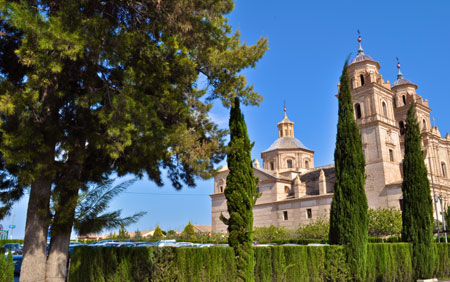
(6, 268)
(385, 262)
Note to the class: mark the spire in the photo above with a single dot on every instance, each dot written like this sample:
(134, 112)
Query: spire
(399, 74)
(285, 127)
(360, 49)
(284, 109)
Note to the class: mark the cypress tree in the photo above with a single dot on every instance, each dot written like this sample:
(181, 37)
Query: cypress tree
(348, 215)
(417, 213)
(241, 195)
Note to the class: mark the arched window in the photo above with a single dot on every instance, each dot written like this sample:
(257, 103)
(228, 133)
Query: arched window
(424, 125)
(404, 100)
(358, 110)
(362, 79)
(221, 189)
(384, 109)
(401, 124)
(444, 170)
(272, 166)
(307, 164)
(289, 164)
(286, 189)
(281, 133)
(285, 133)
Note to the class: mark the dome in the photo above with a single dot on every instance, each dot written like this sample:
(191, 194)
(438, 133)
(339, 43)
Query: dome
(286, 143)
(402, 81)
(361, 57)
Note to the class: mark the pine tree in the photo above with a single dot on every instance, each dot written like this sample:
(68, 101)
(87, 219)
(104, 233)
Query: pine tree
(137, 234)
(348, 215)
(158, 234)
(123, 233)
(188, 231)
(241, 194)
(417, 213)
(91, 88)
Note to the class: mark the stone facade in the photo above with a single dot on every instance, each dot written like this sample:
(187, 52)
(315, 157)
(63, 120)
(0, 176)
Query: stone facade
(295, 192)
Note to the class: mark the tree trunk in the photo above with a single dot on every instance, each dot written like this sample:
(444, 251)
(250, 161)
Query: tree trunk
(58, 257)
(34, 252)
(65, 202)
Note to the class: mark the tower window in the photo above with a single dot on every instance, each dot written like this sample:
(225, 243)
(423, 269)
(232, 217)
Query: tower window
(404, 100)
(384, 109)
(281, 133)
(308, 213)
(221, 189)
(424, 124)
(401, 124)
(362, 79)
(391, 155)
(306, 164)
(444, 170)
(285, 132)
(286, 189)
(272, 166)
(285, 215)
(358, 110)
(289, 164)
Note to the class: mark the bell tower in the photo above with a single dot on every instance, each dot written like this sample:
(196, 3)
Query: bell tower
(374, 113)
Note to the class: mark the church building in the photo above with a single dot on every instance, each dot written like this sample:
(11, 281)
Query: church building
(294, 191)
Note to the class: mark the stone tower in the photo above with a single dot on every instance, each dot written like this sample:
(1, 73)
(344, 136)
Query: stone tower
(373, 105)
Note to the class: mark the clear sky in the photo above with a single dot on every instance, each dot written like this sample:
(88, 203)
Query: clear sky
(309, 42)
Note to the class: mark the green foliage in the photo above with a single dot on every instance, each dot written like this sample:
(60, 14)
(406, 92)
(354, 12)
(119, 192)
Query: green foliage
(241, 194)
(348, 215)
(158, 234)
(385, 262)
(389, 262)
(317, 229)
(385, 222)
(6, 268)
(137, 235)
(271, 233)
(188, 231)
(90, 215)
(417, 216)
(123, 233)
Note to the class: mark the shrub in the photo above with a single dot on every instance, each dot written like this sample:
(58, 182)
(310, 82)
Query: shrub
(317, 229)
(385, 222)
(271, 233)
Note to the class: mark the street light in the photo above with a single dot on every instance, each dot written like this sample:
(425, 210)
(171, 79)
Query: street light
(435, 199)
(443, 218)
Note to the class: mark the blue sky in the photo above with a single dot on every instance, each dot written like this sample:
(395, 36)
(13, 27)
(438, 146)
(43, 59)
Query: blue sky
(308, 44)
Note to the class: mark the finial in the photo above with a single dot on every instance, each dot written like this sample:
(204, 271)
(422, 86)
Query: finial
(360, 49)
(284, 109)
(399, 74)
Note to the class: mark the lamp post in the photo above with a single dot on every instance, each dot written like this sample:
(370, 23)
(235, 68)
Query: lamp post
(434, 198)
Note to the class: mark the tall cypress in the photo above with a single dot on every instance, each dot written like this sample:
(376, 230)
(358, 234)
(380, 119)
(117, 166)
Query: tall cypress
(417, 213)
(241, 194)
(348, 215)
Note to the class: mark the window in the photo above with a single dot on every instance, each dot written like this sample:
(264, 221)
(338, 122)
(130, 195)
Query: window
(444, 170)
(285, 133)
(289, 164)
(221, 189)
(424, 125)
(404, 100)
(272, 166)
(281, 133)
(306, 164)
(400, 202)
(308, 213)
(286, 189)
(384, 109)
(401, 124)
(362, 79)
(391, 155)
(358, 110)
(285, 215)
